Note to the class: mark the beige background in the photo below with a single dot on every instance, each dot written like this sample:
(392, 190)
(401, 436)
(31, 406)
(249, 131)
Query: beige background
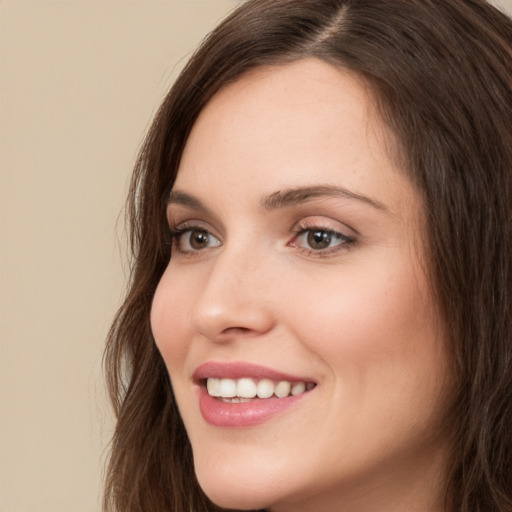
(79, 83)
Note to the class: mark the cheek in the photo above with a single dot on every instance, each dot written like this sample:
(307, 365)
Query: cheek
(169, 317)
(374, 328)
(379, 339)
(357, 304)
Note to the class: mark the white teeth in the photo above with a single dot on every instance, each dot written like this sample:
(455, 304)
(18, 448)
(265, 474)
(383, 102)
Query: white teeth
(298, 388)
(242, 390)
(245, 388)
(265, 388)
(213, 386)
(282, 389)
(227, 388)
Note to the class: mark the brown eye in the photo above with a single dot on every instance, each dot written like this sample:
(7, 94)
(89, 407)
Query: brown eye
(319, 239)
(198, 239)
(194, 240)
(322, 241)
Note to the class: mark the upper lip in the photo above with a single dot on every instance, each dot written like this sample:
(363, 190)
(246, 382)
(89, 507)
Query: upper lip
(239, 370)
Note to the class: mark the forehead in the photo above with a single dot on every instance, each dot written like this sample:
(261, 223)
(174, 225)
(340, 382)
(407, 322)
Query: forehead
(300, 124)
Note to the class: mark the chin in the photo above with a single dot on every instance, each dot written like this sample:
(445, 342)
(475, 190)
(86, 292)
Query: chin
(233, 488)
(237, 495)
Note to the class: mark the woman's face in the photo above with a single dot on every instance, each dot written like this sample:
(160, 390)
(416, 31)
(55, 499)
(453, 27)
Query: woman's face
(297, 272)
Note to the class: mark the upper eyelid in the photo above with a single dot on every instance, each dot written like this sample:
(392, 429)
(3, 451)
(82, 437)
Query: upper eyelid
(187, 225)
(179, 213)
(325, 223)
(298, 227)
(181, 218)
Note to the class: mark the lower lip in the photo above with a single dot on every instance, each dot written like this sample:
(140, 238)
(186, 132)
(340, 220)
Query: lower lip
(245, 414)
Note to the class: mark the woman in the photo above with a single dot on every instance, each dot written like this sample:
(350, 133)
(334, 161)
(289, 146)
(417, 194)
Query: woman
(318, 316)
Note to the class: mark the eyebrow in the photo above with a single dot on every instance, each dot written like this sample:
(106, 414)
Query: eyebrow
(189, 201)
(293, 196)
(281, 199)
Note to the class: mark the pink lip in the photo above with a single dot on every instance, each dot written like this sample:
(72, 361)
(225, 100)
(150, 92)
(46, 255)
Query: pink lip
(247, 414)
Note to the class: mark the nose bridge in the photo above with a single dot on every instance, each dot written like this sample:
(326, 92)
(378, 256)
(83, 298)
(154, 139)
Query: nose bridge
(232, 299)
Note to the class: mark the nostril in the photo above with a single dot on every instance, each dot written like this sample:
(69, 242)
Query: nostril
(236, 330)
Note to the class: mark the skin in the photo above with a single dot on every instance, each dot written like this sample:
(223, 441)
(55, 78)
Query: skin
(357, 318)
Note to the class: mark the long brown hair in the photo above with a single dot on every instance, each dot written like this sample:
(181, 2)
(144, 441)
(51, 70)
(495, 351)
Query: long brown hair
(441, 74)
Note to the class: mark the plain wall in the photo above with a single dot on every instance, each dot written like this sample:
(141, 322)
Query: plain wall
(79, 83)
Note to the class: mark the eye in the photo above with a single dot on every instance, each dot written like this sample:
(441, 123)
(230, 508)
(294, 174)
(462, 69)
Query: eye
(189, 240)
(321, 241)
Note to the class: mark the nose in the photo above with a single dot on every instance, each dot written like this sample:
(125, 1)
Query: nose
(234, 300)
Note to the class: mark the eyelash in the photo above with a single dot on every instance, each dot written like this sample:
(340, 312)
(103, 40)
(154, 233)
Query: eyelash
(346, 242)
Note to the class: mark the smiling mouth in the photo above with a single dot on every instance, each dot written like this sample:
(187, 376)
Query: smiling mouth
(247, 389)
